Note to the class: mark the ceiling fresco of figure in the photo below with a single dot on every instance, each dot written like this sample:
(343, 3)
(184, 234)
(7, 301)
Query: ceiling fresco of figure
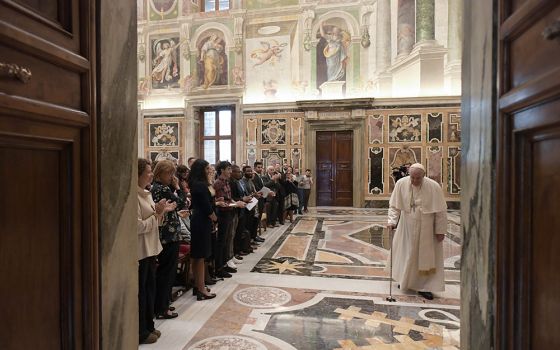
(332, 52)
(289, 50)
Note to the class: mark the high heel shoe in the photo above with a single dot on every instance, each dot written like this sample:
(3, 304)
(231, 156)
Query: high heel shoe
(195, 290)
(200, 296)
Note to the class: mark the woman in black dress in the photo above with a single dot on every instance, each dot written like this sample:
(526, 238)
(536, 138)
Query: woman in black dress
(202, 218)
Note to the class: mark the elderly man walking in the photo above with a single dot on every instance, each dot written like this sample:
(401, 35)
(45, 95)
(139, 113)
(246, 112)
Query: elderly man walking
(418, 210)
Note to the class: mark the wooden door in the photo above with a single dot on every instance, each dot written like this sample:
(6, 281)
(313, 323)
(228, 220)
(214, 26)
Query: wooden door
(48, 241)
(334, 168)
(528, 199)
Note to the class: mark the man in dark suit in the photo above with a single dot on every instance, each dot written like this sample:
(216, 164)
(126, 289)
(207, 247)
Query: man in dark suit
(259, 184)
(240, 234)
(254, 214)
(270, 180)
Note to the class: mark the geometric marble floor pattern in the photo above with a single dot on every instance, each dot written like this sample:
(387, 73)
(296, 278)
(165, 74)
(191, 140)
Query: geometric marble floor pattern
(346, 243)
(289, 296)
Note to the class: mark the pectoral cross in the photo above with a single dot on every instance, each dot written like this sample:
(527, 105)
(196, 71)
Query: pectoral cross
(412, 203)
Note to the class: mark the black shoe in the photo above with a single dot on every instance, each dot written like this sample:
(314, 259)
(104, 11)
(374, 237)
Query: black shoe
(239, 257)
(398, 286)
(259, 239)
(427, 295)
(195, 290)
(171, 308)
(200, 296)
(167, 316)
(223, 274)
(230, 269)
(211, 281)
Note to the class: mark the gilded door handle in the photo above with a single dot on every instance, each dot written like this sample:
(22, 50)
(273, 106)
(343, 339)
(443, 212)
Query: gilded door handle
(552, 31)
(12, 70)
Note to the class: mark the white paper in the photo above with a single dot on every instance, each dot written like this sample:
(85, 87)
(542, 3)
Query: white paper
(252, 203)
(265, 191)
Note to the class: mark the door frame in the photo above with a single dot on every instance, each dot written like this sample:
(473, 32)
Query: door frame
(357, 127)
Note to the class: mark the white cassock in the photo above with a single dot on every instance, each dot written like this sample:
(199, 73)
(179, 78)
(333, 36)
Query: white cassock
(417, 254)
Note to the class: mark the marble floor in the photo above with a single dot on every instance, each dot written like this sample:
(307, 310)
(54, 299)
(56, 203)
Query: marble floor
(320, 283)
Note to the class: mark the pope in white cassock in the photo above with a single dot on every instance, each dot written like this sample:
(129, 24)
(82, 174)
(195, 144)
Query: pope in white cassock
(418, 210)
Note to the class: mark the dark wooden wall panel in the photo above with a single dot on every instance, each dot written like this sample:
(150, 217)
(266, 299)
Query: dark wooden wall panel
(528, 202)
(30, 250)
(545, 240)
(48, 237)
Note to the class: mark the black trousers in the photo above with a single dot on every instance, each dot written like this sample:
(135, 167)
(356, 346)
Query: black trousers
(225, 218)
(240, 231)
(165, 276)
(146, 296)
(306, 195)
(252, 225)
(281, 209)
(272, 211)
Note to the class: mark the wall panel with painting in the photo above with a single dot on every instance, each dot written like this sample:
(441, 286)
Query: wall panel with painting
(274, 138)
(397, 137)
(164, 137)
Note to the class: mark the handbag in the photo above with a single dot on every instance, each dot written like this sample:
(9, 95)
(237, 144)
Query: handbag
(185, 232)
(291, 201)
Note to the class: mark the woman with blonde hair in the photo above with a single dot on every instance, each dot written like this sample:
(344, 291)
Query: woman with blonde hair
(150, 217)
(166, 186)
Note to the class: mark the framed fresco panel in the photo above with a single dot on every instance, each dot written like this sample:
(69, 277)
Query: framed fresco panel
(212, 60)
(273, 131)
(164, 134)
(174, 156)
(163, 9)
(454, 127)
(165, 69)
(405, 128)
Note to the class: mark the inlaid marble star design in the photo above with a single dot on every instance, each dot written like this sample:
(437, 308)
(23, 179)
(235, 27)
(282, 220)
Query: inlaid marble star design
(284, 266)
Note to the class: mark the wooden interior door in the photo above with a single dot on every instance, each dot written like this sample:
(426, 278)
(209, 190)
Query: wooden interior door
(528, 200)
(48, 242)
(334, 168)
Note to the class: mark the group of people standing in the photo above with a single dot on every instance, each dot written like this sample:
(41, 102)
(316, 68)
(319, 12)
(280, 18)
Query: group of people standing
(223, 204)
(289, 192)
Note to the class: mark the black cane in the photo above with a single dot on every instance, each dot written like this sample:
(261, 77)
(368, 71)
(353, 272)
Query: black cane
(390, 297)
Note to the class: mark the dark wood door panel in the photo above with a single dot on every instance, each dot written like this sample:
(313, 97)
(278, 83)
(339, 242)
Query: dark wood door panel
(30, 248)
(48, 237)
(544, 240)
(344, 180)
(530, 54)
(40, 238)
(324, 146)
(324, 183)
(528, 180)
(48, 82)
(334, 181)
(516, 4)
(56, 21)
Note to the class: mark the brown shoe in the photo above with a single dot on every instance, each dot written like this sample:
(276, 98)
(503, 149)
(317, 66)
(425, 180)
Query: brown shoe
(150, 339)
(157, 333)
